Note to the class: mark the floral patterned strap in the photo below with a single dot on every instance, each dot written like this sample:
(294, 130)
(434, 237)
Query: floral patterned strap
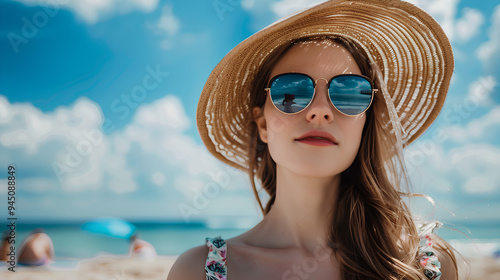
(215, 266)
(426, 253)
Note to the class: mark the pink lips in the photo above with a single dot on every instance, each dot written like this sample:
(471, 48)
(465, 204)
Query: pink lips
(317, 138)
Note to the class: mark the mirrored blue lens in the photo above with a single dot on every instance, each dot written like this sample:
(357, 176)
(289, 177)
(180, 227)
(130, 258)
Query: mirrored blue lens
(351, 95)
(291, 93)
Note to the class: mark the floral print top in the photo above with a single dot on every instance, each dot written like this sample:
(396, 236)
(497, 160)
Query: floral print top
(216, 266)
(426, 253)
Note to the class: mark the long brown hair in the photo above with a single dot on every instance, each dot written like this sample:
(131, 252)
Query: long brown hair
(372, 232)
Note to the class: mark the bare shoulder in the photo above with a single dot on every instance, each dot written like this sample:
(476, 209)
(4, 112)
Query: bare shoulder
(446, 257)
(190, 265)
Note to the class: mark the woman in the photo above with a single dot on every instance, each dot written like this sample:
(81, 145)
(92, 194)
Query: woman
(368, 77)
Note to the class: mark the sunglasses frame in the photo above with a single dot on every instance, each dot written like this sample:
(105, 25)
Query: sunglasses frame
(315, 82)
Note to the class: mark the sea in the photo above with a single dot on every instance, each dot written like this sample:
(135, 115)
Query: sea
(72, 244)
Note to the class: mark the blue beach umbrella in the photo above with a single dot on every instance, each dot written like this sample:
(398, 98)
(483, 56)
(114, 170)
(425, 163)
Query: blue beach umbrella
(114, 227)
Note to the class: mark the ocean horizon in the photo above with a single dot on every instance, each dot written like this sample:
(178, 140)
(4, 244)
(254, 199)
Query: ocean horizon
(173, 237)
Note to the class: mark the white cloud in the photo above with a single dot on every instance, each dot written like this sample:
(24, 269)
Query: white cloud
(478, 164)
(37, 184)
(416, 154)
(158, 178)
(476, 129)
(166, 113)
(168, 22)
(66, 141)
(265, 12)
(482, 89)
(489, 51)
(168, 25)
(468, 26)
(470, 169)
(92, 10)
(464, 159)
(478, 98)
(122, 175)
(247, 4)
(285, 7)
(151, 154)
(27, 126)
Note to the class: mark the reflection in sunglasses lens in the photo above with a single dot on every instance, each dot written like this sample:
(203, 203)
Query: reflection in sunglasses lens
(350, 94)
(292, 92)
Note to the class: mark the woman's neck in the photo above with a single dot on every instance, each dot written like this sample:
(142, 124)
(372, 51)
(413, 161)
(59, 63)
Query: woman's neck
(301, 214)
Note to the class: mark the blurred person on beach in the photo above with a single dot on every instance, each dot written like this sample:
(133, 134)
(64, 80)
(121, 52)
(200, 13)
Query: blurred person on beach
(5, 246)
(36, 249)
(368, 78)
(141, 248)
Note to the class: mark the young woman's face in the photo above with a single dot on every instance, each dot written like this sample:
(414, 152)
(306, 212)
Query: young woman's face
(318, 59)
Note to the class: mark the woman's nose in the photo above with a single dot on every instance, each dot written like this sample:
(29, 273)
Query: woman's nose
(320, 108)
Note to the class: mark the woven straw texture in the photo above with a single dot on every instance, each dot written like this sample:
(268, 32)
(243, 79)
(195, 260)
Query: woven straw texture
(407, 44)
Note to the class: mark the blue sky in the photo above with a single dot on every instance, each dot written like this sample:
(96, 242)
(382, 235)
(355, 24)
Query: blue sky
(98, 102)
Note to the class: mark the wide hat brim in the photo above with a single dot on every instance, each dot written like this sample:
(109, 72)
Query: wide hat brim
(409, 46)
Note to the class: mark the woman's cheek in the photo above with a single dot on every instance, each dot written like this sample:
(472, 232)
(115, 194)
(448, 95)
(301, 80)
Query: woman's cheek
(354, 132)
(276, 125)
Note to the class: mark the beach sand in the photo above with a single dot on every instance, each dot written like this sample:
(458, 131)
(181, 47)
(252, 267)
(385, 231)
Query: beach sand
(484, 268)
(131, 268)
(99, 268)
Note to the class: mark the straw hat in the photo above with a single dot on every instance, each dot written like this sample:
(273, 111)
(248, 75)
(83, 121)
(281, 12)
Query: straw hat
(410, 48)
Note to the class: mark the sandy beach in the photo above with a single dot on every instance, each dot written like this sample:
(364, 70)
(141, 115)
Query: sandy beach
(99, 268)
(131, 268)
(484, 268)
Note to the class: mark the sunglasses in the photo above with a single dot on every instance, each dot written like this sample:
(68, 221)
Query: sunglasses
(350, 94)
